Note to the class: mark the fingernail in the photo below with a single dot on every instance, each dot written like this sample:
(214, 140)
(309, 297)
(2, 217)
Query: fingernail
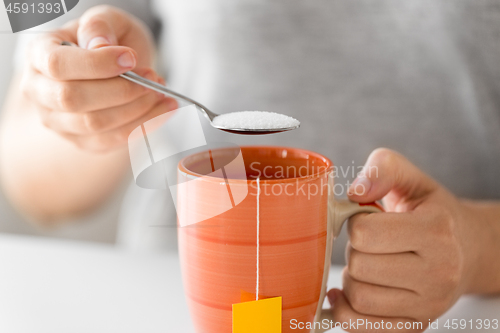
(126, 60)
(360, 186)
(97, 42)
(331, 297)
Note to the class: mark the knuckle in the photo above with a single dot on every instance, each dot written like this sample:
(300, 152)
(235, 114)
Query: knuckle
(455, 279)
(358, 301)
(79, 144)
(94, 144)
(452, 274)
(444, 227)
(384, 157)
(45, 120)
(66, 97)
(146, 102)
(93, 122)
(24, 87)
(99, 143)
(95, 23)
(152, 99)
(172, 104)
(148, 73)
(25, 92)
(106, 142)
(76, 141)
(53, 65)
(357, 237)
(447, 278)
(448, 221)
(354, 265)
(99, 17)
(96, 12)
(131, 90)
(121, 136)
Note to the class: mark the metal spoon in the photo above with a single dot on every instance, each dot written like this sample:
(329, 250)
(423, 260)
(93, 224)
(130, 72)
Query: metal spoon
(131, 76)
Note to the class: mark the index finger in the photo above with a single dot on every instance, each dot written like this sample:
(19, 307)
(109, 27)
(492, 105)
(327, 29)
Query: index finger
(387, 232)
(65, 63)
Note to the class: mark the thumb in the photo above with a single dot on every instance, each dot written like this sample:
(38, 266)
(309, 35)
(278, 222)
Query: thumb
(342, 311)
(386, 171)
(102, 26)
(350, 320)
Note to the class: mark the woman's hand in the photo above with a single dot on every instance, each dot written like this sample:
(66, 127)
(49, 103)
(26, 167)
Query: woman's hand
(76, 91)
(411, 264)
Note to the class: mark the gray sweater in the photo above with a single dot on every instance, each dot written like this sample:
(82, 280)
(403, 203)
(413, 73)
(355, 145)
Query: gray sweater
(418, 76)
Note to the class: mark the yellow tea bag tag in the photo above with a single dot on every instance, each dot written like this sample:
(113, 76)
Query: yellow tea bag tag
(262, 316)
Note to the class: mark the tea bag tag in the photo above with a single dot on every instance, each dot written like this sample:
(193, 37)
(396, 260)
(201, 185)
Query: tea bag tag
(263, 316)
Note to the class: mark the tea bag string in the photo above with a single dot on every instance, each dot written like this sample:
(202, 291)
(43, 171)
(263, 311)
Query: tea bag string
(258, 242)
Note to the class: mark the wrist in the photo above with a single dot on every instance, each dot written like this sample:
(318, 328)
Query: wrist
(481, 232)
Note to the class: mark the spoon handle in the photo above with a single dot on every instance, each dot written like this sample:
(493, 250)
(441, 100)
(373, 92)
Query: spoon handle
(136, 78)
(131, 76)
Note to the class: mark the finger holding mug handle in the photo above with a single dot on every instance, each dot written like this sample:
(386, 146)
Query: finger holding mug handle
(338, 212)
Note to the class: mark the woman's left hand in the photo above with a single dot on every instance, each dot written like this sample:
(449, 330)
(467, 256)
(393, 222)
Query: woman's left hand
(409, 265)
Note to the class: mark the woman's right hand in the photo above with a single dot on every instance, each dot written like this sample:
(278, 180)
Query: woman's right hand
(76, 90)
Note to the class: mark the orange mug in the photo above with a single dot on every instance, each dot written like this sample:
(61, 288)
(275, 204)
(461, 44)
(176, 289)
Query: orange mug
(289, 192)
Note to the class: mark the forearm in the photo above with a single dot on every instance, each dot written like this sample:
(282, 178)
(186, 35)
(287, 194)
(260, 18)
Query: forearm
(486, 215)
(44, 175)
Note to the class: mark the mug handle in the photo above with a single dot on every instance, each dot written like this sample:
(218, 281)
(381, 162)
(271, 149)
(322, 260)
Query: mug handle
(338, 213)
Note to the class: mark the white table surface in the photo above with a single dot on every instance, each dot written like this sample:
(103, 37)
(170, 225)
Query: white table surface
(62, 286)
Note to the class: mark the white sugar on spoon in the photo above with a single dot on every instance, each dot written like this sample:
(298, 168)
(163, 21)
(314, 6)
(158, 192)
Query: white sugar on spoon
(255, 121)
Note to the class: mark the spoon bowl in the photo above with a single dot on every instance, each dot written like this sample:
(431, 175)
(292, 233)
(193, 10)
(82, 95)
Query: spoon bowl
(131, 76)
(256, 131)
